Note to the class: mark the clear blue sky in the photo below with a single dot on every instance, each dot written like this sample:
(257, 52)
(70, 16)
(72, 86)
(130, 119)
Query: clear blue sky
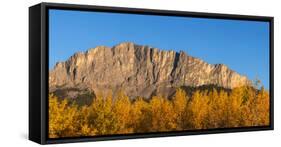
(241, 45)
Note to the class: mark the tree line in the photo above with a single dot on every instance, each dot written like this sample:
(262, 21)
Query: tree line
(204, 109)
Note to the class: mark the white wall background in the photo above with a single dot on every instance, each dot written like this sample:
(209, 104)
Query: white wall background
(14, 71)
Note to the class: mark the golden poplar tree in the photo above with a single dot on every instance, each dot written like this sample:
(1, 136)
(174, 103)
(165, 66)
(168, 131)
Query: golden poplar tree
(179, 107)
(101, 116)
(162, 116)
(121, 110)
(198, 108)
(62, 118)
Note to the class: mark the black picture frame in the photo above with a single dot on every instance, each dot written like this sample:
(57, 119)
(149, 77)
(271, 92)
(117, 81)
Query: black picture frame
(38, 70)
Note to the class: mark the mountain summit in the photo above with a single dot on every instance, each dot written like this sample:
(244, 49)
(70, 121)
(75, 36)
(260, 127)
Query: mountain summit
(138, 71)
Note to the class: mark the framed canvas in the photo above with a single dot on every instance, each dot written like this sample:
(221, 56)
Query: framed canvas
(103, 73)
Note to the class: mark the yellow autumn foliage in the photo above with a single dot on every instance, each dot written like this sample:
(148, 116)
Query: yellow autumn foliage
(204, 109)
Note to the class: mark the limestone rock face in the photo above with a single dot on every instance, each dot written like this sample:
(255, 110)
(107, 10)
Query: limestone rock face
(138, 71)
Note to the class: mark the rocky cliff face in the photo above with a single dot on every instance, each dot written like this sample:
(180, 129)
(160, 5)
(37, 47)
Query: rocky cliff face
(138, 71)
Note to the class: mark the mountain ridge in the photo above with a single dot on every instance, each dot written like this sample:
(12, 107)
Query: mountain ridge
(139, 71)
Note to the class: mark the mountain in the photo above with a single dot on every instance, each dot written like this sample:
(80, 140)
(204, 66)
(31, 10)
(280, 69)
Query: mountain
(138, 71)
